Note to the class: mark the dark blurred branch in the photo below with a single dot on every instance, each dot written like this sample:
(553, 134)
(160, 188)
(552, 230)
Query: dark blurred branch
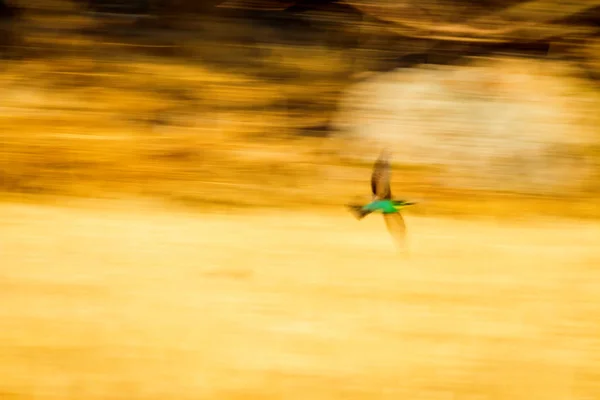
(8, 10)
(531, 20)
(9, 14)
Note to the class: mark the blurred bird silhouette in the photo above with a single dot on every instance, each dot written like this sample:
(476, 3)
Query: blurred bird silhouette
(382, 200)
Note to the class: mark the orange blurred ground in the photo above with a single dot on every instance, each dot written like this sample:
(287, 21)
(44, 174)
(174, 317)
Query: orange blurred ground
(137, 301)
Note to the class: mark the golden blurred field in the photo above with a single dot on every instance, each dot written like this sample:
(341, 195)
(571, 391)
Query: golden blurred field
(104, 300)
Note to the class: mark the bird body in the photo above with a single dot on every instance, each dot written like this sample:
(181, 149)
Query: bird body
(382, 200)
(385, 206)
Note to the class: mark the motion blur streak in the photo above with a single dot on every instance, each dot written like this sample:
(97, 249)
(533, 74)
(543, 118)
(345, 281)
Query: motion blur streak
(173, 182)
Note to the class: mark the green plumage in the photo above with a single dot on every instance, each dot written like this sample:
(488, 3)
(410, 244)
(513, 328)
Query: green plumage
(382, 200)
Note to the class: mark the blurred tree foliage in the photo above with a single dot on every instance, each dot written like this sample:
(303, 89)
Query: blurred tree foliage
(237, 72)
(366, 35)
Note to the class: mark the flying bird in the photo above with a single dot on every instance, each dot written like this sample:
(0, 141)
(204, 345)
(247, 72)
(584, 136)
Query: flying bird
(382, 200)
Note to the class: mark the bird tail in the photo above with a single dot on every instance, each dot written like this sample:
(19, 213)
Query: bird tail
(358, 211)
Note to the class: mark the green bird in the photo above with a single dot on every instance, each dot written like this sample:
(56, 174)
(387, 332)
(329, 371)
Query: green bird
(382, 200)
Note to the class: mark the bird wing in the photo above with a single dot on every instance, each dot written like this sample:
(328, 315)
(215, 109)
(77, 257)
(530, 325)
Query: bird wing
(357, 211)
(396, 227)
(380, 179)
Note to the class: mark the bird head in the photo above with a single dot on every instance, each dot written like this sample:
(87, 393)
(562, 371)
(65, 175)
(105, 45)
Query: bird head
(403, 203)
